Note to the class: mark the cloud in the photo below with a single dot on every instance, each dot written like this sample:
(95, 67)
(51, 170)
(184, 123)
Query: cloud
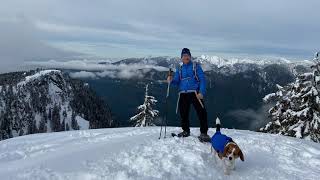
(127, 74)
(83, 74)
(254, 118)
(123, 73)
(96, 69)
(114, 74)
(110, 74)
(92, 65)
(126, 28)
(20, 42)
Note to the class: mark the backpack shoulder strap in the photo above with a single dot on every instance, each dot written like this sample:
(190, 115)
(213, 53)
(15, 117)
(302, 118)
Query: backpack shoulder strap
(180, 72)
(194, 68)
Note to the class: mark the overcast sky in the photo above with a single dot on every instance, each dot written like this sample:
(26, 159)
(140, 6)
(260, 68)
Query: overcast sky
(53, 29)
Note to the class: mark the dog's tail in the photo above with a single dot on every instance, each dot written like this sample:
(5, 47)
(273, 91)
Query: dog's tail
(218, 124)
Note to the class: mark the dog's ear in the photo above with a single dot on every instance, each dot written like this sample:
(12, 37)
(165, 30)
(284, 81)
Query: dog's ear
(225, 151)
(241, 155)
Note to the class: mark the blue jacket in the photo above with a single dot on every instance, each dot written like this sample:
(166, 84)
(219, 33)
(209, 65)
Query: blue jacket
(188, 80)
(219, 141)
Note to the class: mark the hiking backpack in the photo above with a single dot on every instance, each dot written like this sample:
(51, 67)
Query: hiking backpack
(194, 69)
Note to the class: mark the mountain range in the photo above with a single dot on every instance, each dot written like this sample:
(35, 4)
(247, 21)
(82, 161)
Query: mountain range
(56, 100)
(235, 86)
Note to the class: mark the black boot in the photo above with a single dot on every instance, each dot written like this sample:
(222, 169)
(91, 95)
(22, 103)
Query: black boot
(204, 137)
(184, 134)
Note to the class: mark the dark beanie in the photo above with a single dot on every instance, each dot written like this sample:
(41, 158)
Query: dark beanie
(185, 51)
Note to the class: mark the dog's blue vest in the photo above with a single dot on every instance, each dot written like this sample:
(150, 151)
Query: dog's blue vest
(219, 141)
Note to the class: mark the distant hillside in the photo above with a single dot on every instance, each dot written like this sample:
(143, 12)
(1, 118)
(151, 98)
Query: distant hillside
(235, 86)
(228, 93)
(48, 101)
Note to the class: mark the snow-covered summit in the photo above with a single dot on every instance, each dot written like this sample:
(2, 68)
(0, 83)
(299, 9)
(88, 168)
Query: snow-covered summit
(220, 62)
(136, 153)
(214, 60)
(47, 101)
(38, 75)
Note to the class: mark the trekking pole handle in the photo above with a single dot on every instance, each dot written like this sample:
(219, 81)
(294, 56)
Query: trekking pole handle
(170, 72)
(168, 88)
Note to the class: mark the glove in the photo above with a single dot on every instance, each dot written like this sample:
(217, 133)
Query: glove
(199, 96)
(169, 79)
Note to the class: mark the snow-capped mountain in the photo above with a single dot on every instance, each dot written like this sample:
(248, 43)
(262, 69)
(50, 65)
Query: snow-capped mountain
(213, 60)
(137, 153)
(229, 88)
(219, 61)
(216, 63)
(233, 85)
(164, 61)
(137, 67)
(48, 101)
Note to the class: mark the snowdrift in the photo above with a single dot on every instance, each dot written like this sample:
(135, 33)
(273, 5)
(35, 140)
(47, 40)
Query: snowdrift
(136, 153)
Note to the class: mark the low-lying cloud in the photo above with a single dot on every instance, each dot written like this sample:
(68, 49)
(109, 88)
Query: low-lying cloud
(114, 74)
(94, 69)
(83, 74)
(89, 65)
(255, 118)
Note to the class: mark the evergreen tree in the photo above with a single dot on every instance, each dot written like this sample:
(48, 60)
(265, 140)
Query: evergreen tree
(67, 127)
(55, 122)
(50, 114)
(63, 125)
(74, 123)
(146, 114)
(297, 109)
(4, 127)
(43, 124)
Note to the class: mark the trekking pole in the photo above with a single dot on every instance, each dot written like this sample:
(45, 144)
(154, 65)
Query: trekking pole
(199, 100)
(166, 108)
(167, 98)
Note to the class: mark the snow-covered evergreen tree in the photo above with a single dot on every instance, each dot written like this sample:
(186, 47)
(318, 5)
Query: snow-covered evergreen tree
(146, 114)
(297, 109)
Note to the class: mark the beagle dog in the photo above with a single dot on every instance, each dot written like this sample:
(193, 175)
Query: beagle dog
(225, 148)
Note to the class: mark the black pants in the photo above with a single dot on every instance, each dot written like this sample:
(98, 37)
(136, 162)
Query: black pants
(184, 107)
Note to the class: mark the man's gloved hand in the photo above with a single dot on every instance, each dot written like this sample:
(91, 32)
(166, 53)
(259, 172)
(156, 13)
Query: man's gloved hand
(169, 79)
(199, 96)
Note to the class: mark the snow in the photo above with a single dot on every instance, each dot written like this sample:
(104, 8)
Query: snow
(268, 97)
(36, 76)
(136, 153)
(54, 93)
(84, 124)
(41, 73)
(279, 87)
(220, 62)
(298, 130)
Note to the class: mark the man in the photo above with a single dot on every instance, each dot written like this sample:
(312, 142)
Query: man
(191, 81)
